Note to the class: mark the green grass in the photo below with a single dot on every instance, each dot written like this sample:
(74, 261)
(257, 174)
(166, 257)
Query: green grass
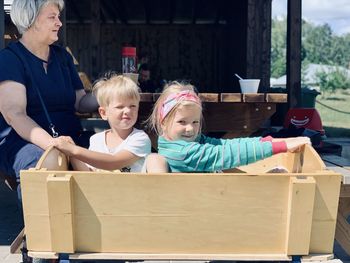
(334, 110)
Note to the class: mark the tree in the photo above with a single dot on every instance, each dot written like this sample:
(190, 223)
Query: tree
(278, 47)
(319, 46)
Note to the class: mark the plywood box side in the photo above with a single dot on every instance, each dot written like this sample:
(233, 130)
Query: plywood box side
(299, 219)
(325, 213)
(173, 213)
(307, 161)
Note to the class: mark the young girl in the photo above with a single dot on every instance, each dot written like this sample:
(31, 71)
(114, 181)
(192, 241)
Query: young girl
(177, 119)
(121, 147)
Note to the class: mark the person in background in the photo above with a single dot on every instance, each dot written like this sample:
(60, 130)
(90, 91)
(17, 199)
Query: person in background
(145, 82)
(177, 119)
(40, 90)
(121, 147)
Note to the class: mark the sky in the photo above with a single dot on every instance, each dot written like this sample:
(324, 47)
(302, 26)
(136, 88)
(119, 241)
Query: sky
(336, 13)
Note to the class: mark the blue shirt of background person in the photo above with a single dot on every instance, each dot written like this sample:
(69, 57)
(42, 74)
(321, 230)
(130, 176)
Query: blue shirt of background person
(34, 61)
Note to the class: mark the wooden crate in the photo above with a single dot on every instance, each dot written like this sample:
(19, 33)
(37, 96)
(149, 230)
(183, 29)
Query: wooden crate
(246, 214)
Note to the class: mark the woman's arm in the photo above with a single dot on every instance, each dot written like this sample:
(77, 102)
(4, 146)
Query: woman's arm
(13, 103)
(85, 102)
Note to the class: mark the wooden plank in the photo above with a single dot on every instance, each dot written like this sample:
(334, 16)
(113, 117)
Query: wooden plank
(342, 233)
(146, 97)
(258, 41)
(209, 97)
(61, 213)
(325, 212)
(345, 190)
(205, 97)
(62, 33)
(46, 255)
(182, 212)
(253, 97)
(318, 258)
(203, 256)
(300, 211)
(276, 98)
(95, 38)
(231, 97)
(16, 245)
(338, 169)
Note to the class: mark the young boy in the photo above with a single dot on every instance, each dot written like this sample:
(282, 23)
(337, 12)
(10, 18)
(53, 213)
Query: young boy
(122, 147)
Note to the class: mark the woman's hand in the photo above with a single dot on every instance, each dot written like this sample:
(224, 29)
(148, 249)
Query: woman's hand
(64, 144)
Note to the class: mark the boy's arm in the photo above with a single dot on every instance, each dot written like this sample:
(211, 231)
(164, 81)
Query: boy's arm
(79, 165)
(99, 160)
(105, 161)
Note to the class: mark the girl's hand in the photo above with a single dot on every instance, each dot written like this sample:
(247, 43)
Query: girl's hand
(295, 144)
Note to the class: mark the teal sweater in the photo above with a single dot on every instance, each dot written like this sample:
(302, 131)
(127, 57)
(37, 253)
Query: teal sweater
(207, 154)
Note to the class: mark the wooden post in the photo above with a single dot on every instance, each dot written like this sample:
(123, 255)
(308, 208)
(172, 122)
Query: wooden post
(2, 24)
(63, 30)
(59, 194)
(259, 42)
(294, 53)
(95, 37)
(299, 219)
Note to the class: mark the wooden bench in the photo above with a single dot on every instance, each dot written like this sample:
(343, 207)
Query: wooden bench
(246, 215)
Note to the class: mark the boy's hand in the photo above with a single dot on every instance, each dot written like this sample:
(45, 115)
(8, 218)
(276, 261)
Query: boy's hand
(295, 144)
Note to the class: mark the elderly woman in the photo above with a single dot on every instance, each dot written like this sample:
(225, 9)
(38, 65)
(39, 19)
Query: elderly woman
(40, 90)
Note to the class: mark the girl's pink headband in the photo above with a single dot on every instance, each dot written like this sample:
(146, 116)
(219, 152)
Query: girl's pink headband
(173, 99)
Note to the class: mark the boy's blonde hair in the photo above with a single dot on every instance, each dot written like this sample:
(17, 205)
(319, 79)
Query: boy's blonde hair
(113, 85)
(154, 122)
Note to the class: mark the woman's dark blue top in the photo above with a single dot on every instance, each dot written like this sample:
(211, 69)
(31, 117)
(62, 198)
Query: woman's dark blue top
(57, 87)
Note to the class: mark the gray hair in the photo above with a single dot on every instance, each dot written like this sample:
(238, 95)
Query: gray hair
(24, 12)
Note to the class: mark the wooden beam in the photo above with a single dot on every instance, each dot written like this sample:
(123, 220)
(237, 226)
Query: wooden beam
(195, 5)
(172, 8)
(108, 10)
(73, 7)
(294, 53)
(121, 11)
(63, 30)
(61, 213)
(2, 24)
(146, 6)
(259, 42)
(300, 211)
(95, 37)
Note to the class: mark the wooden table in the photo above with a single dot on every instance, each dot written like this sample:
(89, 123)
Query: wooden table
(234, 114)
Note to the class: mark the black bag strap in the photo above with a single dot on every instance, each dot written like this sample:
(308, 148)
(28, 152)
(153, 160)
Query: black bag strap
(17, 52)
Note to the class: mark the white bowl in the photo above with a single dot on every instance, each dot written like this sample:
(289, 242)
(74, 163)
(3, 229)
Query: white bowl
(249, 85)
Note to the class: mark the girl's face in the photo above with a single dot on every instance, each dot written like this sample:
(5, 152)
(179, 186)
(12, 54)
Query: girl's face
(121, 114)
(48, 23)
(185, 125)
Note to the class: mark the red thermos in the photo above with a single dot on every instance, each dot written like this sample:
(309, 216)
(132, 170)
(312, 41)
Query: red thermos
(129, 60)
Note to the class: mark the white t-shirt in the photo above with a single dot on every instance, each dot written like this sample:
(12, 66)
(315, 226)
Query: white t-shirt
(137, 143)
